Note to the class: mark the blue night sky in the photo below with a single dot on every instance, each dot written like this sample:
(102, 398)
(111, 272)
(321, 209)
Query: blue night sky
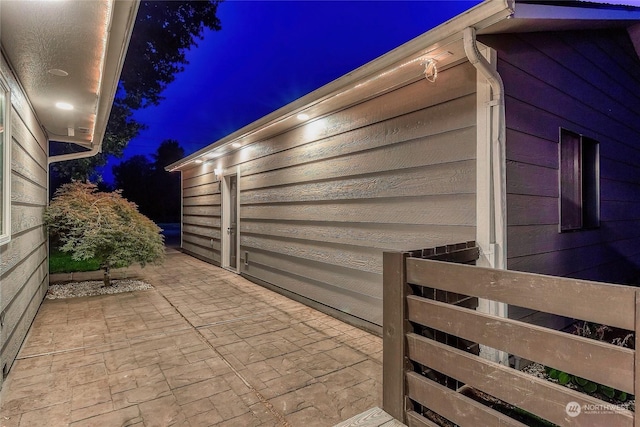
(270, 53)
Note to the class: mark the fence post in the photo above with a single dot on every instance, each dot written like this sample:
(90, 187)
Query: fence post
(393, 324)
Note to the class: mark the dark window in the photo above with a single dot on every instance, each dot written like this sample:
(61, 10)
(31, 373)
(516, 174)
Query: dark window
(579, 182)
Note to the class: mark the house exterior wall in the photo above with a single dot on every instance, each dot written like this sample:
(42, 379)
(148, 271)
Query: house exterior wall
(24, 269)
(321, 202)
(586, 82)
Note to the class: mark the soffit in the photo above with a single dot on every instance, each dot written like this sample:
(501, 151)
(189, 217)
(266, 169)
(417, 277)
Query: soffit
(70, 35)
(530, 16)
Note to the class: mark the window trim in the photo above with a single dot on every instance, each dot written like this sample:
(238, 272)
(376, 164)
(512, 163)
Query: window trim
(5, 167)
(586, 176)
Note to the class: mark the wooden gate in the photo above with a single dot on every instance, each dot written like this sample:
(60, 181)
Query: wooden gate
(419, 367)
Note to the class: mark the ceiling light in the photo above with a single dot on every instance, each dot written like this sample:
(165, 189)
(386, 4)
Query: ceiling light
(64, 106)
(236, 145)
(198, 161)
(58, 72)
(302, 116)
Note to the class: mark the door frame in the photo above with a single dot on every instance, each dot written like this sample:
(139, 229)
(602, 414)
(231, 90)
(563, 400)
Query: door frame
(226, 220)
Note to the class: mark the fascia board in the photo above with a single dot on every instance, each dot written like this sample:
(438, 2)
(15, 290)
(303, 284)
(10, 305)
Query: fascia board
(584, 12)
(120, 30)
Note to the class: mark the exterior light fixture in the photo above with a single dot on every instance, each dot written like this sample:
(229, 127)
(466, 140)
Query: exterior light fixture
(64, 106)
(236, 145)
(302, 116)
(217, 172)
(430, 70)
(198, 161)
(431, 67)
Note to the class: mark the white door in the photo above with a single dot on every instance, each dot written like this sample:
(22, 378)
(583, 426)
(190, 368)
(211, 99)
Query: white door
(230, 222)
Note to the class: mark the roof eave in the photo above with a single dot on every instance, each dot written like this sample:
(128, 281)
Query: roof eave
(480, 16)
(119, 32)
(489, 17)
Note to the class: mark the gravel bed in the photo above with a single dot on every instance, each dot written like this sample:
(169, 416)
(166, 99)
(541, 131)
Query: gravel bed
(95, 287)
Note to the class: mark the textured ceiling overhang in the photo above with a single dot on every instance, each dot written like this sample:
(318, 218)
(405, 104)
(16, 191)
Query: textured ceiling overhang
(87, 40)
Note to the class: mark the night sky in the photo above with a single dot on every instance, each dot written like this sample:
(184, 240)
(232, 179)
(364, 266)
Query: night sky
(268, 54)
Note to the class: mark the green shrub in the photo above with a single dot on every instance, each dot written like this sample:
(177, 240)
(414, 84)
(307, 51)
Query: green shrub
(585, 385)
(597, 332)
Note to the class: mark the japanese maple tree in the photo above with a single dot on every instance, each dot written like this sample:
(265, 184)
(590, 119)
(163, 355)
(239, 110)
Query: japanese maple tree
(105, 226)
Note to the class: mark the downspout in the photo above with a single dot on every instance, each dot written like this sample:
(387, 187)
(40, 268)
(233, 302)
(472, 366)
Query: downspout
(497, 149)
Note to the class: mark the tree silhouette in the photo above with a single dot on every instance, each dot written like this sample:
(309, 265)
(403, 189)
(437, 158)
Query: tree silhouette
(154, 190)
(164, 31)
(169, 151)
(133, 177)
(166, 185)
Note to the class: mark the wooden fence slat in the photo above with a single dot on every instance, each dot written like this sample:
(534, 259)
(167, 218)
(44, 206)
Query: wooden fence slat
(533, 342)
(447, 403)
(557, 295)
(538, 396)
(393, 319)
(416, 420)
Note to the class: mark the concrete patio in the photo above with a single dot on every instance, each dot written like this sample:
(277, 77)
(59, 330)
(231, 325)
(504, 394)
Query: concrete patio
(205, 347)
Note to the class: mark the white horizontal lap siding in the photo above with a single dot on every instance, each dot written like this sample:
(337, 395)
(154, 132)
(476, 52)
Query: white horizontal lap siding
(201, 214)
(24, 269)
(320, 203)
(587, 82)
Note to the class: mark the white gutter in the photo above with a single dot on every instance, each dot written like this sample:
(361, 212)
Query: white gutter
(498, 158)
(80, 155)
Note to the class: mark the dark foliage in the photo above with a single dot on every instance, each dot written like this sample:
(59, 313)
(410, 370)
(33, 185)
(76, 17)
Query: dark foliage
(154, 190)
(164, 31)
